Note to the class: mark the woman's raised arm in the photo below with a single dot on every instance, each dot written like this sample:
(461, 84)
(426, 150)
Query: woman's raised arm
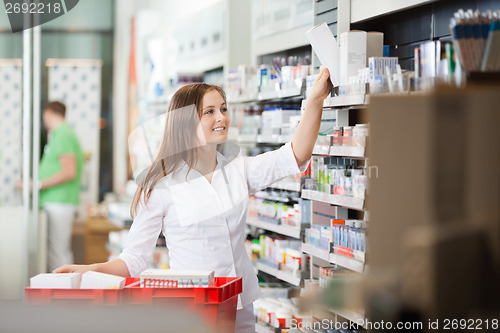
(308, 128)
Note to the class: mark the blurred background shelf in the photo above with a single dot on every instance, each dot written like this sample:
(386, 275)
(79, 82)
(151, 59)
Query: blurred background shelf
(289, 231)
(282, 275)
(333, 199)
(346, 262)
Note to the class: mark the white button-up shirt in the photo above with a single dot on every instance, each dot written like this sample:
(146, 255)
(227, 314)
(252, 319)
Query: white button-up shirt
(204, 223)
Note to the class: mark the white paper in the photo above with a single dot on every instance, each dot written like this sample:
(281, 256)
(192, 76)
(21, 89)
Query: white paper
(325, 45)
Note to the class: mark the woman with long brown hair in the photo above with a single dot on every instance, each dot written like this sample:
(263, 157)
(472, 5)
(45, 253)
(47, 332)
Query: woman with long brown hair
(198, 196)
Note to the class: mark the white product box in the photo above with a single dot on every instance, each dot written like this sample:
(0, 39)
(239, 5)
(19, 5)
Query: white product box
(374, 44)
(96, 280)
(176, 278)
(352, 54)
(56, 281)
(377, 65)
(326, 48)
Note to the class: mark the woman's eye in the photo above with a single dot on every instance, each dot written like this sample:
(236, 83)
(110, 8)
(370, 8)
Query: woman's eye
(209, 111)
(223, 110)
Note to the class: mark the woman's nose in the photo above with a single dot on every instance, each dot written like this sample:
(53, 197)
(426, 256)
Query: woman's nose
(220, 116)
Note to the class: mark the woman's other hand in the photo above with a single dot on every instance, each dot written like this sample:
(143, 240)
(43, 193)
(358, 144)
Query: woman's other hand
(74, 269)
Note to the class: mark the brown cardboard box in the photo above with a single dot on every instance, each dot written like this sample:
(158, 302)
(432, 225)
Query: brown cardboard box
(96, 237)
(437, 156)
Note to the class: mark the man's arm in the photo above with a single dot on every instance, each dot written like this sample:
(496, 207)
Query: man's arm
(67, 173)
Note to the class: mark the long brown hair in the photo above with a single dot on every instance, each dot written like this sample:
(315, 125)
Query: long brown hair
(179, 138)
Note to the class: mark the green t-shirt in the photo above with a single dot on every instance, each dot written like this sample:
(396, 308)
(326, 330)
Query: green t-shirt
(62, 141)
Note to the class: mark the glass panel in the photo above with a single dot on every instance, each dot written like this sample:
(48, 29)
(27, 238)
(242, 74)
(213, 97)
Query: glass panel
(12, 233)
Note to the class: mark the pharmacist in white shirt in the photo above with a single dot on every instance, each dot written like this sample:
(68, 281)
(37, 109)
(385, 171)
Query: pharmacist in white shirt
(198, 196)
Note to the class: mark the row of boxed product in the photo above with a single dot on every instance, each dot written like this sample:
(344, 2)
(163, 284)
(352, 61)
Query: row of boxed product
(245, 82)
(283, 254)
(286, 314)
(277, 209)
(280, 120)
(345, 136)
(150, 278)
(338, 176)
(340, 234)
(279, 313)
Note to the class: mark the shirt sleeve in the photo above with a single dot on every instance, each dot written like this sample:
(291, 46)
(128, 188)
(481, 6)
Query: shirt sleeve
(141, 240)
(264, 169)
(62, 145)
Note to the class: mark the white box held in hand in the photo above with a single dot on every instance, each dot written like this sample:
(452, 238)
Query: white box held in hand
(96, 280)
(56, 281)
(326, 48)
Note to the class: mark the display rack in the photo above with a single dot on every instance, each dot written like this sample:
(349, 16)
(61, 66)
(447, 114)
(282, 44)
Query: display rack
(284, 230)
(347, 151)
(362, 10)
(282, 275)
(346, 262)
(341, 151)
(334, 199)
(344, 101)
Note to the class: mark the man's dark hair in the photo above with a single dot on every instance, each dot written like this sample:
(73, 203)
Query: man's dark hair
(56, 107)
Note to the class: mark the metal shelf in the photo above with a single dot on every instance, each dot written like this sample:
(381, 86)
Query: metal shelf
(344, 101)
(350, 315)
(341, 151)
(334, 199)
(321, 150)
(314, 251)
(354, 265)
(282, 275)
(347, 151)
(293, 232)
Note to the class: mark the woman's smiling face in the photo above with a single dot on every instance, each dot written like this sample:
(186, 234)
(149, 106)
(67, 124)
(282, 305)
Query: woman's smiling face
(214, 121)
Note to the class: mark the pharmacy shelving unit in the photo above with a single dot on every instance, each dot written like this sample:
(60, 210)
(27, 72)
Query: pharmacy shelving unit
(344, 106)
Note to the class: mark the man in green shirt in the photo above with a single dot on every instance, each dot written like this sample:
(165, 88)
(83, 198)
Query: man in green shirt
(59, 183)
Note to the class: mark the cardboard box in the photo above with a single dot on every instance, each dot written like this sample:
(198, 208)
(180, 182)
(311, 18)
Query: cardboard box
(374, 44)
(56, 281)
(434, 167)
(96, 280)
(352, 54)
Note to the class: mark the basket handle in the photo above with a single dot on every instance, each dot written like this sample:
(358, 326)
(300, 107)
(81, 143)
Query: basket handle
(132, 284)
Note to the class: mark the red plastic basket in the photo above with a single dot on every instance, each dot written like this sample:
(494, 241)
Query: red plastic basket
(217, 304)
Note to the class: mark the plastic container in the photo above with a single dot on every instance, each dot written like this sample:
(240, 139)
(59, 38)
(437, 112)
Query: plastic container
(360, 133)
(347, 136)
(217, 304)
(337, 136)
